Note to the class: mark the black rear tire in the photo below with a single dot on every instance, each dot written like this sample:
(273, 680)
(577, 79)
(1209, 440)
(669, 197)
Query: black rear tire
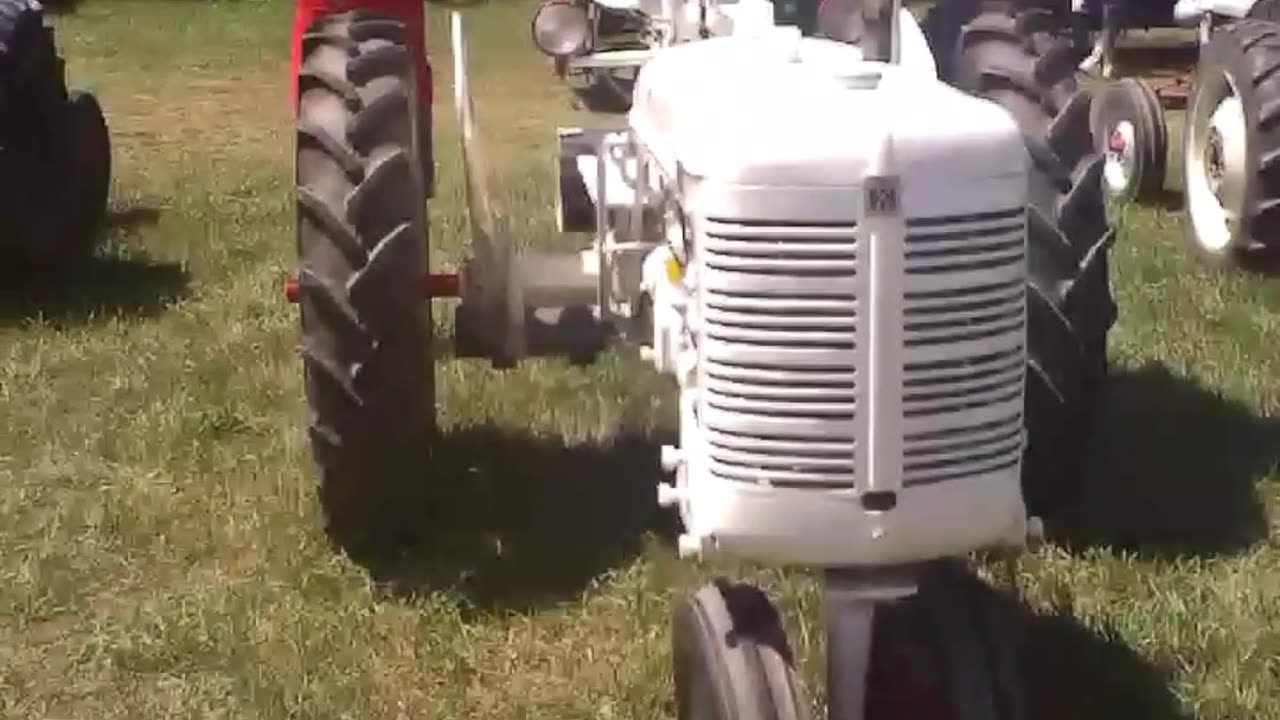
(1241, 61)
(55, 165)
(89, 144)
(1265, 10)
(21, 23)
(362, 244)
(1013, 54)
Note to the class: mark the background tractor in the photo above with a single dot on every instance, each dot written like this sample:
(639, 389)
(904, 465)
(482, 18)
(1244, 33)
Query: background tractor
(1230, 143)
(887, 333)
(599, 45)
(55, 150)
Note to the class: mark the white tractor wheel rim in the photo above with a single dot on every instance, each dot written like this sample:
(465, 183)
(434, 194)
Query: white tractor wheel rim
(1121, 157)
(1216, 167)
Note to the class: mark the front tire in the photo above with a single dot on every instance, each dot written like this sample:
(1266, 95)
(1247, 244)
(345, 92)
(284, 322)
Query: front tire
(363, 249)
(1015, 57)
(731, 659)
(1130, 133)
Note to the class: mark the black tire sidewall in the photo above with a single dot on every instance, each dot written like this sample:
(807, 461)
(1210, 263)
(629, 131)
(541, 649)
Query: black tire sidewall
(701, 679)
(1133, 101)
(367, 367)
(731, 659)
(1265, 10)
(1112, 106)
(90, 144)
(63, 180)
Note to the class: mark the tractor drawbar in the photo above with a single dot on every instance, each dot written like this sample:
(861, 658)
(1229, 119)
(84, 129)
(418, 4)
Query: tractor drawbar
(434, 285)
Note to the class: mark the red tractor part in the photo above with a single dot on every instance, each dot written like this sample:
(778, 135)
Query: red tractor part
(434, 285)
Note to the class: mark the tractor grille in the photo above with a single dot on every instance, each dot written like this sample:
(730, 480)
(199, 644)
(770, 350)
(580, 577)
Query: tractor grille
(778, 365)
(964, 319)
(780, 315)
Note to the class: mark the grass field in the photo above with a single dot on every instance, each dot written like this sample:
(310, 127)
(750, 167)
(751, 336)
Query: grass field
(159, 545)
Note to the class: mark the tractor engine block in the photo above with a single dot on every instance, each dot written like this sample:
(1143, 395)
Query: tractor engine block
(841, 298)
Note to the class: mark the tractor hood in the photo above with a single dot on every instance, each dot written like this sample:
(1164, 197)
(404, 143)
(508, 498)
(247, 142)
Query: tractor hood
(776, 109)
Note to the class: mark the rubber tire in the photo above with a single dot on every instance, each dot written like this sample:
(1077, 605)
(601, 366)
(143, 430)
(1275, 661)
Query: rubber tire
(941, 26)
(1248, 53)
(88, 142)
(1015, 58)
(20, 20)
(945, 653)
(56, 168)
(1133, 100)
(1265, 10)
(731, 659)
(362, 244)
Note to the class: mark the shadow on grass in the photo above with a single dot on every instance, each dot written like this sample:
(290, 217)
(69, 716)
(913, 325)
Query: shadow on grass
(61, 7)
(1045, 661)
(519, 521)
(99, 286)
(1070, 671)
(132, 216)
(1167, 199)
(1264, 261)
(1173, 470)
(1073, 672)
(1157, 58)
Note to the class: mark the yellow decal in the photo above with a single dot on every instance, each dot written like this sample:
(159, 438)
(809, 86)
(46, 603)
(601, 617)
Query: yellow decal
(675, 271)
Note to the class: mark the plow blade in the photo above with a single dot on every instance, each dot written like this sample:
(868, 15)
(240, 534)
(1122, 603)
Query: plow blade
(493, 309)
(514, 304)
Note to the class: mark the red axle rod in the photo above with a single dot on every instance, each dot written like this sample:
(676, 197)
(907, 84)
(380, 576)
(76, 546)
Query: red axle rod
(434, 285)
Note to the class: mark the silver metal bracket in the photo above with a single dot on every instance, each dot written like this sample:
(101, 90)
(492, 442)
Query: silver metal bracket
(850, 596)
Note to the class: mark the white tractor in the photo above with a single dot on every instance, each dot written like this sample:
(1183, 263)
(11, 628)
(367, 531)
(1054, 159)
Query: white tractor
(882, 294)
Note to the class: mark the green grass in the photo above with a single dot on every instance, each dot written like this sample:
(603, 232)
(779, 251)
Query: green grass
(159, 545)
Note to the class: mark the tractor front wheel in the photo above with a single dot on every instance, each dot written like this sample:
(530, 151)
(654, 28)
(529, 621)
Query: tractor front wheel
(731, 659)
(1129, 131)
(363, 248)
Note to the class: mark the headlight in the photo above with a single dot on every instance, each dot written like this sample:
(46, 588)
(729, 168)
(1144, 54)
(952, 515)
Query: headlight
(561, 28)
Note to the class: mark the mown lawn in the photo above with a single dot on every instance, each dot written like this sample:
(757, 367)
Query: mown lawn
(159, 545)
